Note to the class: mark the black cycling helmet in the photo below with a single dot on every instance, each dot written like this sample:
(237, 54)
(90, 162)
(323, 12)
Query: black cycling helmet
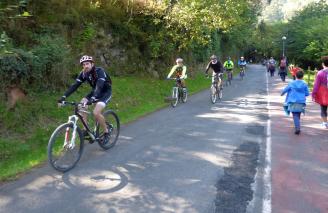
(213, 57)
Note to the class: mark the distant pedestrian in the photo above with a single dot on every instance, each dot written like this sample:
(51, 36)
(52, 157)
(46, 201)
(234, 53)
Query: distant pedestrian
(283, 68)
(271, 66)
(296, 99)
(320, 90)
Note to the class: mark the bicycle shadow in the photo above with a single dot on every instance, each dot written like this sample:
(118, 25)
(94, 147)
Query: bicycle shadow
(107, 181)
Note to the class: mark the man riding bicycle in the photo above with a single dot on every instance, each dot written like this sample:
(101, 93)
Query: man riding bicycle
(180, 72)
(242, 62)
(228, 65)
(100, 94)
(216, 66)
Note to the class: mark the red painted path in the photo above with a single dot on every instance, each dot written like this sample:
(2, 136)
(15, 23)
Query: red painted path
(299, 162)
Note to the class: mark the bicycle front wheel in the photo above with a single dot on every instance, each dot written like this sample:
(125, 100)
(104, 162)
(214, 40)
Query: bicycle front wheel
(242, 74)
(220, 93)
(113, 125)
(175, 97)
(65, 147)
(213, 94)
(229, 77)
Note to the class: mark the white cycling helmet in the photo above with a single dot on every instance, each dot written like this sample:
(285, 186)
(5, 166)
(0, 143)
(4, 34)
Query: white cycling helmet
(179, 60)
(86, 58)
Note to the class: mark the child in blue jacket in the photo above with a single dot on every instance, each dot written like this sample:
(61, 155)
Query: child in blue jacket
(296, 99)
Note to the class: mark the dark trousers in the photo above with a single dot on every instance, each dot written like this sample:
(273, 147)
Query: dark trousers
(297, 120)
(324, 111)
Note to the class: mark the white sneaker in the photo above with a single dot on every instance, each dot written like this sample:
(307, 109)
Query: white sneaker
(324, 125)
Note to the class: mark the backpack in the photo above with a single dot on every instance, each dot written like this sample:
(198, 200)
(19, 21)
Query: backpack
(229, 64)
(283, 63)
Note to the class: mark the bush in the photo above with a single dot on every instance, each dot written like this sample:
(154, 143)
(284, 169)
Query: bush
(45, 66)
(51, 68)
(15, 68)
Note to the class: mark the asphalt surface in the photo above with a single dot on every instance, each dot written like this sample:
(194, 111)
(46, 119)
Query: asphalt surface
(197, 157)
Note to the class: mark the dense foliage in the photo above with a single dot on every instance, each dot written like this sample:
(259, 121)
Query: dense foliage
(307, 39)
(144, 36)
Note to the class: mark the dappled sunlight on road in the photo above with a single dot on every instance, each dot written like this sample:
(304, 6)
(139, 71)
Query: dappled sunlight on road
(230, 117)
(214, 159)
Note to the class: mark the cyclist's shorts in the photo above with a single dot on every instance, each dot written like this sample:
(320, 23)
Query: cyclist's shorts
(217, 73)
(104, 98)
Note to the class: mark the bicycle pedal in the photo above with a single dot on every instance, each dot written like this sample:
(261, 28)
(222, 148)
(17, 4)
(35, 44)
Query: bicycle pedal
(91, 141)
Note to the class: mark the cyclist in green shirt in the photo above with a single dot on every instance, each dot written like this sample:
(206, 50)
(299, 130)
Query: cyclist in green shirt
(228, 65)
(180, 71)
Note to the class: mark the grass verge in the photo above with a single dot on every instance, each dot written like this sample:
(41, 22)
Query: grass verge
(25, 131)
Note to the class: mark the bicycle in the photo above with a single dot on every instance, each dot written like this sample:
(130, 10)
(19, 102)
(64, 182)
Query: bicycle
(66, 143)
(179, 93)
(242, 72)
(229, 77)
(216, 88)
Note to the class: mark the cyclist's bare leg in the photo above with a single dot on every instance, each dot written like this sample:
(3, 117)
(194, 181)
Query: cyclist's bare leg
(213, 77)
(219, 84)
(97, 112)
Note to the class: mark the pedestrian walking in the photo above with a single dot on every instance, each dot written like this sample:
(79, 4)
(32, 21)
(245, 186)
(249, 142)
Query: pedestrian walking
(320, 90)
(295, 101)
(271, 66)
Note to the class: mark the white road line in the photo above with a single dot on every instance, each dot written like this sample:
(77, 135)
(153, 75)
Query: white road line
(267, 171)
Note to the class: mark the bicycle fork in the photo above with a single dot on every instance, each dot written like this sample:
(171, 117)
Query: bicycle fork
(70, 144)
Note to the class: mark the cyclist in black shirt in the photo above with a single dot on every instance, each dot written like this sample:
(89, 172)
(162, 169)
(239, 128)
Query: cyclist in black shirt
(216, 66)
(100, 94)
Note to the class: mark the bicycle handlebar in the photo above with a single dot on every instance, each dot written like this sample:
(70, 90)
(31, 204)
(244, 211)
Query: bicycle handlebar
(175, 78)
(64, 103)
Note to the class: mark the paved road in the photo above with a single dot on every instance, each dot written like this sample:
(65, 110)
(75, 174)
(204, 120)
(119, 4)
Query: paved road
(197, 157)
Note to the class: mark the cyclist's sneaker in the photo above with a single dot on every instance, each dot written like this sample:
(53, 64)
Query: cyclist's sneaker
(106, 138)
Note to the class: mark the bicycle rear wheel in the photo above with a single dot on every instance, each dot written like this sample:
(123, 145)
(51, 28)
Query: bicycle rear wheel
(65, 147)
(175, 97)
(113, 125)
(214, 94)
(184, 95)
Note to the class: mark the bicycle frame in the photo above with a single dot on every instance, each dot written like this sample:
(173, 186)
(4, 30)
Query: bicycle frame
(242, 68)
(178, 83)
(70, 144)
(74, 119)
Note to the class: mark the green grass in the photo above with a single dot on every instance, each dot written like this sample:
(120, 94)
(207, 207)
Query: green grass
(309, 79)
(25, 131)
